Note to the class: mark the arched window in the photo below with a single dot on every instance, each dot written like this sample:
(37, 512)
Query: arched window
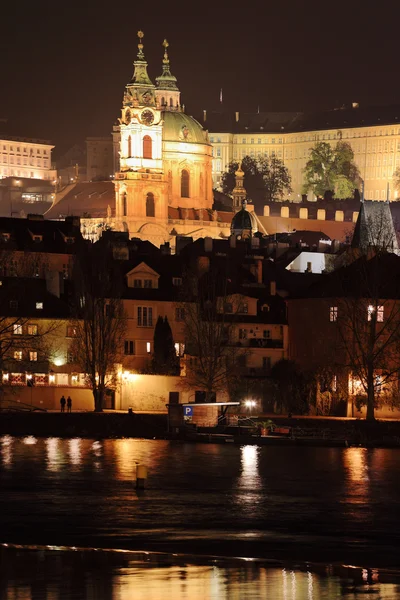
(129, 146)
(171, 102)
(163, 101)
(147, 147)
(185, 180)
(124, 204)
(150, 209)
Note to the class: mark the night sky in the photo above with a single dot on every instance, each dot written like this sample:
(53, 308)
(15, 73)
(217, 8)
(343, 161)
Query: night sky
(64, 65)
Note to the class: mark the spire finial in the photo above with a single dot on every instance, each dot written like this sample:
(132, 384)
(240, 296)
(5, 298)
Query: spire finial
(140, 35)
(165, 59)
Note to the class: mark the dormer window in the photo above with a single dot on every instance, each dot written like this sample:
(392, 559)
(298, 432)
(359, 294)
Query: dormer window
(137, 283)
(177, 281)
(5, 237)
(69, 240)
(39, 305)
(37, 238)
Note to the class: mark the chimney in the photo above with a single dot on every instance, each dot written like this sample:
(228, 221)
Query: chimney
(237, 116)
(204, 116)
(272, 288)
(208, 244)
(259, 271)
(165, 249)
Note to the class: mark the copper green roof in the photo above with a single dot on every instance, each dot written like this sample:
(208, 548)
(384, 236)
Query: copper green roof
(179, 127)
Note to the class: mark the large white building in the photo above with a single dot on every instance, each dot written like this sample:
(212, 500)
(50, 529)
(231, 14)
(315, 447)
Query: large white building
(26, 158)
(373, 133)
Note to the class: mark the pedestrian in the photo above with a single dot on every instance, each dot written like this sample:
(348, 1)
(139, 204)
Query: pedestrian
(62, 404)
(69, 404)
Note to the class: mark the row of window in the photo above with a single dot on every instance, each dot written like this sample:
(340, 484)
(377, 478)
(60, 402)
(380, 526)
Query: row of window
(30, 355)
(310, 137)
(17, 161)
(14, 305)
(334, 312)
(7, 148)
(130, 348)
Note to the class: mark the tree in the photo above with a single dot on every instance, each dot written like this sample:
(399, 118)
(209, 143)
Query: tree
(165, 360)
(99, 318)
(368, 326)
(396, 179)
(208, 313)
(289, 388)
(331, 171)
(265, 179)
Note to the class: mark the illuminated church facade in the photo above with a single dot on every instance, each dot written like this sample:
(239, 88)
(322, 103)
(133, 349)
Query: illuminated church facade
(163, 186)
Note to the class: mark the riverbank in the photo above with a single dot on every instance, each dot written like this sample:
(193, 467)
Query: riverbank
(302, 431)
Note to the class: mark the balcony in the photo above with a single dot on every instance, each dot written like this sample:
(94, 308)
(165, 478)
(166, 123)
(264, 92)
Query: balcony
(261, 343)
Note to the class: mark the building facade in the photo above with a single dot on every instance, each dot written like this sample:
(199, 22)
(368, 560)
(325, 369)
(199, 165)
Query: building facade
(374, 135)
(26, 158)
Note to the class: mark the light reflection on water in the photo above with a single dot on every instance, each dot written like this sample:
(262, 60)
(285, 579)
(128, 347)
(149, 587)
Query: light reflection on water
(286, 503)
(52, 575)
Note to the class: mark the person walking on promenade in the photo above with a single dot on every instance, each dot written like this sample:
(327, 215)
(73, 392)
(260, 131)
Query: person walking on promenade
(62, 404)
(69, 404)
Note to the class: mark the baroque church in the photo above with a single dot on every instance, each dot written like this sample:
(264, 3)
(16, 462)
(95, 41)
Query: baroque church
(163, 181)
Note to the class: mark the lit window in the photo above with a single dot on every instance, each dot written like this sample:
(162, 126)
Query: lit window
(39, 305)
(32, 356)
(32, 329)
(179, 349)
(17, 329)
(18, 355)
(72, 331)
(333, 313)
(379, 313)
(148, 347)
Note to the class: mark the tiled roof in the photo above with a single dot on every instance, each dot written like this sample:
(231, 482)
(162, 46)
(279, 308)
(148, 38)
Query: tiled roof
(293, 122)
(335, 230)
(89, 199)
(36, 234)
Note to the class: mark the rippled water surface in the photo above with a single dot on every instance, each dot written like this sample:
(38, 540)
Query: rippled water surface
(323, 505)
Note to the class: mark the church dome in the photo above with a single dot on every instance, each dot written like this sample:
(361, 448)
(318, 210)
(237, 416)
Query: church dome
(244, 223)
(179, 127)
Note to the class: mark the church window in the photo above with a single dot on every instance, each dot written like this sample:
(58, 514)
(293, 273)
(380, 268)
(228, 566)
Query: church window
(163, 101)
(129, 146)
(150, 209)
(218, 151)
(124, 204)
(171, 102)
(185, 180)
(147, 147)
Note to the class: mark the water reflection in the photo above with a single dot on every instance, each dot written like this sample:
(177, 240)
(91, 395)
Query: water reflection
(75, 451)
(6, 450)
(41, 574)
(53, 454)
(249, 479)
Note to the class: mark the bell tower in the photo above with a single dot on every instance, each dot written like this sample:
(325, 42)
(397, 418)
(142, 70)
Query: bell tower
(140, 185)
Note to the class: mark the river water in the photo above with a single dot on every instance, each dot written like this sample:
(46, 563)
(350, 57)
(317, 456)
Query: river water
(302, 511)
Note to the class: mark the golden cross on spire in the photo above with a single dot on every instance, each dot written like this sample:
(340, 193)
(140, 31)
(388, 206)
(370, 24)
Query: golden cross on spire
(165, 44)
(140, 45)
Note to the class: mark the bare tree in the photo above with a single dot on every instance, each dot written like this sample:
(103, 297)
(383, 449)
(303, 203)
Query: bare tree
(99, 318)
(209, 313)
(367, 311)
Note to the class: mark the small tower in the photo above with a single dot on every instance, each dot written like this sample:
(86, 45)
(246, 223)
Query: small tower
(244, 224)
(239, 191)
(167, 92)
(140, 182)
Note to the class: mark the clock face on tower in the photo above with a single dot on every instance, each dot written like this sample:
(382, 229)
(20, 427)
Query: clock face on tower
(147, 117)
